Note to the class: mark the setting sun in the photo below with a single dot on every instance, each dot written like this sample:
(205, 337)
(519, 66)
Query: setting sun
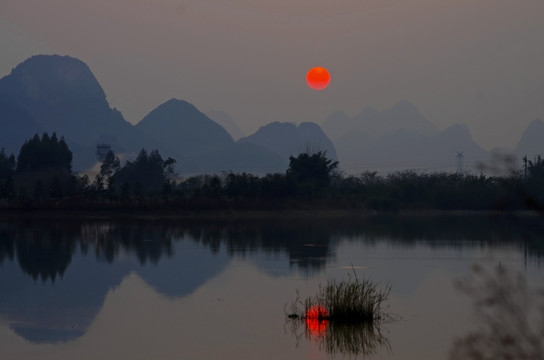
(318, 78)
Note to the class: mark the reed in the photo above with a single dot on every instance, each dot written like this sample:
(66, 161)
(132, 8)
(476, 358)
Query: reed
(343, 317)
(347, 302)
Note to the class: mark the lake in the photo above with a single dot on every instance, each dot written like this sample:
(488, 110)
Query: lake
(153, 288)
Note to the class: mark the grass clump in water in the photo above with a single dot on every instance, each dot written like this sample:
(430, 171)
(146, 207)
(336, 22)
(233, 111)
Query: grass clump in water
(351, 301)
(344, 316)
(347, 302)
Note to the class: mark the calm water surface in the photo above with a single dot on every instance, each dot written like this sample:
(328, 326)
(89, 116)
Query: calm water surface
(188, 289)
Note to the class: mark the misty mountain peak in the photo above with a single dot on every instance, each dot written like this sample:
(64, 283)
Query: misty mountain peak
(404, 105)
(531, 142)
(60, 94)
(51, 79)
(536, 124)
(457, 130)
(288, 139)
(179, 122)
(403, 115)
(226, 121)
(368, 111)
(176, 110)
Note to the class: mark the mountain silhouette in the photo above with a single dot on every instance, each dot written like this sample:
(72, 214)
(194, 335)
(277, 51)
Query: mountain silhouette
(53, 93)
(399, 138)
(402, 116)
(60, 94)
(532, 140)
(402, 150)
(19, 123)
(184, 128)
(201, 145)
(227, 122)
(287, 139)
(237, 157)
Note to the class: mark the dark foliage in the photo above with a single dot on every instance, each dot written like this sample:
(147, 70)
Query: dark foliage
(44, 154)
(311, 171)
(41, 177)
(146, 174)
(7, 171)
(535, 184)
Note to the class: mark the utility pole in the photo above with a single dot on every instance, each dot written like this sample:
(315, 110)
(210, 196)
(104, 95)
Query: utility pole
(525, 168)
(460, 162)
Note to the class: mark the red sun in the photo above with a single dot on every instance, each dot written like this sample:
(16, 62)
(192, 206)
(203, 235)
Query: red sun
(318, 78)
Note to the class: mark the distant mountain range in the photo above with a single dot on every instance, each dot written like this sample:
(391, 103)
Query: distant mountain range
(60, 94)
(532, 140)
(399, 138)
(371, 122)
(228, 123)
(288, 139)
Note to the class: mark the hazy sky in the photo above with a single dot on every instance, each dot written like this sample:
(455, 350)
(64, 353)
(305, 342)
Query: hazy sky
(479, 62)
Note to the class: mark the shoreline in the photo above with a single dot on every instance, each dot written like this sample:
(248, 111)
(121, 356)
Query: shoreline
(228, 214)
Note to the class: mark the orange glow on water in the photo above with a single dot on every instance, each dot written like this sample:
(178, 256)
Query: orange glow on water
(318, 78)
(317, 320)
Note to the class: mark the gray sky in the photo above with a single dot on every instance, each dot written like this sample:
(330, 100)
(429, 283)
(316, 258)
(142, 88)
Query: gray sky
(479, 62)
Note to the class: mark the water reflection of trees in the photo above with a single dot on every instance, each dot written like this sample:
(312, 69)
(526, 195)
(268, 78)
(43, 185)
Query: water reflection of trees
(525, 232)
(41, 252)
(44, 248)
(147, 241)
(306, 242)
(7, 246)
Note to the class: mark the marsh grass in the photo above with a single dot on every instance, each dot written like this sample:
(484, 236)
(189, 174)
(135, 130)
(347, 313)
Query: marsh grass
(349, 301)
(352, 301)
(354, 312)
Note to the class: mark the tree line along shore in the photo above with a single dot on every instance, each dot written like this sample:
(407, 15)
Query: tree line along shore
(41, 177)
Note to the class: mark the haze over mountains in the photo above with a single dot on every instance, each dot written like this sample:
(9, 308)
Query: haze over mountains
(532, 140)
(287, 139)
(60, 94)
(228, 123)
(399, 138)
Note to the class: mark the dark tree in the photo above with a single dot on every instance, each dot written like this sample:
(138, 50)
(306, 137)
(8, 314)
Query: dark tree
(148, 173)
(110, 165)
(7, 171)
(45, 154)
(7, 165)
(536, 168)
(535, 185)
(314, 169)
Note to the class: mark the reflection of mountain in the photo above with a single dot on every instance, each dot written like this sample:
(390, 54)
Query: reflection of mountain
(67, 286)
(43, 312)
(54, 275)
(305, 242)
